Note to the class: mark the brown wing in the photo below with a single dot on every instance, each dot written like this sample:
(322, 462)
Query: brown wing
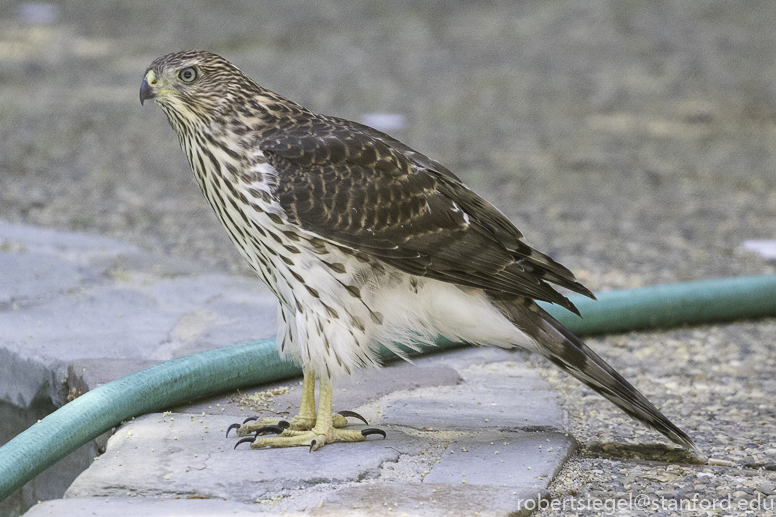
(364, 190)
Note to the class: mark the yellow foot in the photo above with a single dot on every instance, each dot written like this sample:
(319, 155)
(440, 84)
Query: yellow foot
(299, 423)
(315, 438)
(309, 427)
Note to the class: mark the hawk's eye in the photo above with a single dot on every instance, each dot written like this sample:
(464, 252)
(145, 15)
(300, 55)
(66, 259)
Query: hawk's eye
(188, 75)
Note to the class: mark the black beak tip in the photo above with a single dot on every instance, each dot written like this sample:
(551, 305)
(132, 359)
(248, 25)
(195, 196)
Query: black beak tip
(146, 92)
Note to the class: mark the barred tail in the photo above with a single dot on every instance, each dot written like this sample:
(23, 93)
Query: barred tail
(570, 354)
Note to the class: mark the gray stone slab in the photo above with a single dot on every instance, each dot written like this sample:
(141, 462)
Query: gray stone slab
(365, 386)
(538, 411)
(75, 297)
(500, 391)
(23, 272)
(124, 506)
(429, 452)
(79, 310)
(188, 456)
(503, 458)
(149, 318)
(429, 499)
(98, 322)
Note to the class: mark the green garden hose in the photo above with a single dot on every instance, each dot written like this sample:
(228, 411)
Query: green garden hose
(232, 367)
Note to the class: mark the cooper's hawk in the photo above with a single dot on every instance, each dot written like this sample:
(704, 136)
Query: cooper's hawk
(364, 240)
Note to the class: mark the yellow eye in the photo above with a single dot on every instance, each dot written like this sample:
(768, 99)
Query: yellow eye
(188, 75)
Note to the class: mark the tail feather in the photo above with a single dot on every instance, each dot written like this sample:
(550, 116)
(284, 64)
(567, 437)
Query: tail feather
(572, 355)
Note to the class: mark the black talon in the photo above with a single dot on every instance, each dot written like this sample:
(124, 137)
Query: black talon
(367, 432)
(267, 429)
(248, 439)
(250, 419)
(284, 424)
(353, 414)
(312, 443)
(233, 426)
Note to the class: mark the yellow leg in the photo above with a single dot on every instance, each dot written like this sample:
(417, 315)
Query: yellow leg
(305, 419)
(323, 431)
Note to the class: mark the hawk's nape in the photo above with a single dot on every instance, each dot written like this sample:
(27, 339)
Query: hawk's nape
(364, 240)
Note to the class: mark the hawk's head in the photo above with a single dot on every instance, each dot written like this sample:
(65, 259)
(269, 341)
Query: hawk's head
(193, 83)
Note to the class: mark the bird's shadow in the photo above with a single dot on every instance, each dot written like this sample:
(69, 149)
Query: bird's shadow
(639, 452)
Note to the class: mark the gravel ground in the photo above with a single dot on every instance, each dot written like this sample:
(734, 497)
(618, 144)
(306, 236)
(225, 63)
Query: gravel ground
(633, 141)
(718, 385)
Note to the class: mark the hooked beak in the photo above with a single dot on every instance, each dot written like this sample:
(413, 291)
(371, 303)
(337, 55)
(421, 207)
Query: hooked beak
(146, 90)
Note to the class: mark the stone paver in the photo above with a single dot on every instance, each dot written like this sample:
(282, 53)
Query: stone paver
(76, 297)
(79, 310)
(124, 506)
(428, 499)
(433, 445)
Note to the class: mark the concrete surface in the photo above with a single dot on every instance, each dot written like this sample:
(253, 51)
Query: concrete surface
(93, 299)
(432, 442)
(75, 297)
(77, 311)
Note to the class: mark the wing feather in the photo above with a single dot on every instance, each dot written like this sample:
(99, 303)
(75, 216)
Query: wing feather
(365, 190)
